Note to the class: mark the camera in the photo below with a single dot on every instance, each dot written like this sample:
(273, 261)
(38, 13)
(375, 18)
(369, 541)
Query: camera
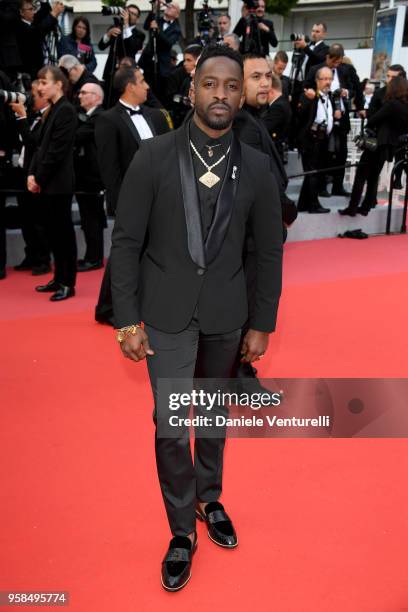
(296, 36)
(204, 21)
(111, 10)
(366, 141)
(184, 100)
(10, 97)
(319, 130)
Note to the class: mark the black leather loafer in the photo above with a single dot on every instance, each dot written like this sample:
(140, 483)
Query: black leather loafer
(176, 566)
(49, 287)
(63, 293)
(349, 212)
(341, 192)
(220, 528)
(87, 266)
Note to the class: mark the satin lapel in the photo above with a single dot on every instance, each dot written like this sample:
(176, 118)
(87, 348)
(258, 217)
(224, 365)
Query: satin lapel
(129, 123)
(225, 203)
(190, 197)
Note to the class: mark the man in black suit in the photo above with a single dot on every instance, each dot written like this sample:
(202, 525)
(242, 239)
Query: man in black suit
(51, 175)
(37, 255)
(164, 34)
(379, 95)
(345, 87)
(315, 122)
(118, 134)
(89, 186)
(280, 62)
(77, 75)
(262, 31)
(124, 41)
(31, 31)
(277, 115)
(315, 51)
(189, 288)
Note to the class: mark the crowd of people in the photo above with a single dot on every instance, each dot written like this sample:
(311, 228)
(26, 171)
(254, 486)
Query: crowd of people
(63, 132)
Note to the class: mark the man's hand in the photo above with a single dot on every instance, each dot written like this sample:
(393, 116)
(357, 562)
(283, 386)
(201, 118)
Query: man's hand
(263, 26)
(19, 109)
(344, 93)
(310, 94)
(113, 32)
(362, 114)
(32, 184)
(125, 15)
(57, 9)
(136, 347)
(254, 345)
(337, 114)
(153, 25)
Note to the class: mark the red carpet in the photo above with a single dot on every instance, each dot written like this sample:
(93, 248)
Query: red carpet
(322, 523)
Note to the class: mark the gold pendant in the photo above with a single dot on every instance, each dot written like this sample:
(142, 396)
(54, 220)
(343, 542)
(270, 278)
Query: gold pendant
(209, 179)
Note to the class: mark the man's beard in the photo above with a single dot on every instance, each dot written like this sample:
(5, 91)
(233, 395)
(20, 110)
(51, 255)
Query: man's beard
(214, 124)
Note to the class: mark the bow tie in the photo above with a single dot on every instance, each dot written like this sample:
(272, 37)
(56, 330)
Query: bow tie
(132, 112)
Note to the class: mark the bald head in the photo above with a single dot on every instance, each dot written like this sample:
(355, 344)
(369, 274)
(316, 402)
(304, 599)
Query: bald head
(324, 78)
(90, 95)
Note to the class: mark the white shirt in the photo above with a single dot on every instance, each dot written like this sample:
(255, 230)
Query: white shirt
(336, 85)
(139, 122)
(324, 112)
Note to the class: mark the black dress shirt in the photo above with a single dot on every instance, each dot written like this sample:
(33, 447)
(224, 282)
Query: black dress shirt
(208, 197)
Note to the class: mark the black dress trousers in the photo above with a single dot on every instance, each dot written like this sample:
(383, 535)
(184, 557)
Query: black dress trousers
(189, 354)
(314, 157)
(93, 222)
(56, 210)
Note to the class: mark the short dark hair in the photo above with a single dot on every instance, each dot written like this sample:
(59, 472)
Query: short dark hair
(57, 76)
(281, 56)
(324, 26)
(129, 62)
(397, 89)
(398, 68)
(133, 6)
(211, 51)
(123, 77)
(224, 15)
(252, 56)
(194, 50)
(336, 50)
(85, 21)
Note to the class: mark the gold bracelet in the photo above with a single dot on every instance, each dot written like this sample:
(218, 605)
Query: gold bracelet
(124, 332)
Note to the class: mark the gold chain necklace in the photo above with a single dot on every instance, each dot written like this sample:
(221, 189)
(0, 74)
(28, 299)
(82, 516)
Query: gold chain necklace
(209, 179)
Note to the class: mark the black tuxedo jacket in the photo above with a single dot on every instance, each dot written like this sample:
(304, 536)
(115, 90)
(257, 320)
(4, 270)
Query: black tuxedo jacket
(178, 271)
(125, 47)
(315, 56)
(30, 138)
(30, 39)
(390, 122)
(87, 176)
(306, 114)
(376, 101)
(277, 118)
(52, 163)
(265, 38)
(117, 140)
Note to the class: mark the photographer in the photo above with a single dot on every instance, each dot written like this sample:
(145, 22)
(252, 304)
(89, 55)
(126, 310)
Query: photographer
(32, 31)
(260, 37)
(178, 85)
(224, 25)
(29, 125)
(78, 43)
(316, 50)
(315, 114)
(345, 88)
(10, 60)
(389, 123)
(77, 75)
(124, 39)
(280, 62)
(164, 33)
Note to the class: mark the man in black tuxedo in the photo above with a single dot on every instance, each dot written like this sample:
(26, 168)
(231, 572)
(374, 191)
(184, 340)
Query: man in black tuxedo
(124, 41)
(89, 186)
(277, 115)
(51, 175)
(77, 75)
(345, 87)
(189, 287)
(31, 31)
(262, 35)
(280, 62)
(165, 34)
(316, 50)
(118, 134)
(315, 122)
(379, 95)
(37, 255)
